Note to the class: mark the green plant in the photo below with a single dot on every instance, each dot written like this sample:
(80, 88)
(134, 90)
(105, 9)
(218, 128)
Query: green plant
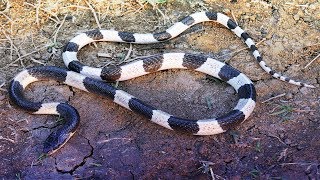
(255, 173)
(154, 2)
(284, 110)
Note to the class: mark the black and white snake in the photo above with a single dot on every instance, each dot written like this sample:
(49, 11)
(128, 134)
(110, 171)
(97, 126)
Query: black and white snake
(89, 79)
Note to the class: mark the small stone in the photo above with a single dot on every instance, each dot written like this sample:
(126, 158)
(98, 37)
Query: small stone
(49, 49)
(268, 42)
(278, 47)
(313, 103)
(300, 147)
(312, 6)
(281, 135)
(69, 17)
(304, 90)
(300, 13)
(23, 52)
(289, 96)
(307, 170)
(307, 19)
(296, 17)
(120, 55)
(226, 11)
(37, 56)
(287, 141)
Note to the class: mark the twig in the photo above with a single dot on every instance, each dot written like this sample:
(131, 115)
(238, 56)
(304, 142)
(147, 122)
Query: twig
(312, 45)
(312, 61)
(234, 18)
(7, 7)
(237, 51)
(94, 14)
(108, 140)
(300, 164)
(12, 46)
(37, 13)
(105, 55)
(297, 5)
(277, 96)
(75, 6)
(5, 48)
(270, 135)
(10, 20)
(214, 176)
(56, 33)
(1, 85)
(163, 15)
(7, 139)
(36, 61)
(57, 20)
(128, 54)
(134, 10)
(301, 110)
(23, 57)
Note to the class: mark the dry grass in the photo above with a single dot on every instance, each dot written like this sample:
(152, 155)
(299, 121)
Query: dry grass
(19, 21)
(23, 16)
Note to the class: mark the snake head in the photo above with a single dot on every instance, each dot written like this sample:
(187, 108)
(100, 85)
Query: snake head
(55, 141)
(58, 138)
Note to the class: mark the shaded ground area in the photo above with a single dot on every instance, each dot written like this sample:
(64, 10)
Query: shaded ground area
(280, 140)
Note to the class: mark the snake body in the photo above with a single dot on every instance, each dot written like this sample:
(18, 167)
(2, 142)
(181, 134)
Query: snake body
(90, 79)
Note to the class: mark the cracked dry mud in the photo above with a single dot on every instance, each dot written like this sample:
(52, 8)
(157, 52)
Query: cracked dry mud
(279, 140)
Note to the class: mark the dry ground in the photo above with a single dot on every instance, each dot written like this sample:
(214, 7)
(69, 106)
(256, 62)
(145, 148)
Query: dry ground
(280, 140)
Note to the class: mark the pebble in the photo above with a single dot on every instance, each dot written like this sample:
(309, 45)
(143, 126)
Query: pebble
(287, 141)
(300, 147)
(307, 19)
(281, 135)
(226, 11)
(268, 42)
(296, 17)
(3, 80)
(181, 46)
(37, 56)
(252, 18)
(23, 52)
(278, 47)
(313, 6)
(246, 17)
(289, 96)
(120, 55)
(69, 17)
(313, 103)
(304, 90)
(300, 13)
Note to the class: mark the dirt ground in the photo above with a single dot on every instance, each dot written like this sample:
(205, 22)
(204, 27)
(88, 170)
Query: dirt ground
(280, 140)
